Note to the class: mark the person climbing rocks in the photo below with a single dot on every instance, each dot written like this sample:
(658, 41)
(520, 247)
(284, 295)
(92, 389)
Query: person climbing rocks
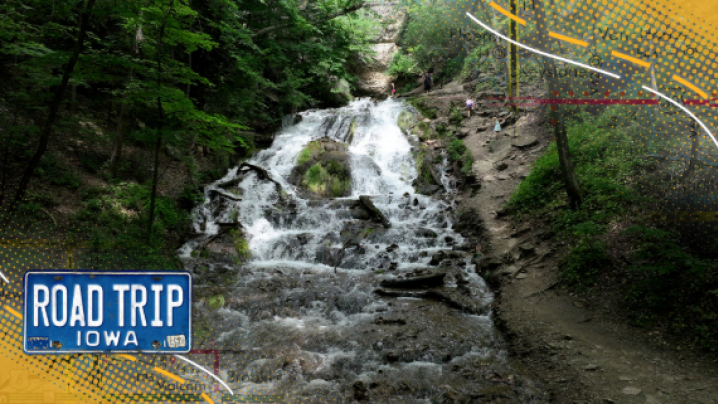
(393, 90)
(470, 105)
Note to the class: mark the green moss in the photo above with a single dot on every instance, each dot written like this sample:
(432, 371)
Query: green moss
(406, 120)
(334, 179)
(425, 110)
(216, 302)
(313, 148)
(204, 253)
(241, 245)
(424, 131)
(352, 131)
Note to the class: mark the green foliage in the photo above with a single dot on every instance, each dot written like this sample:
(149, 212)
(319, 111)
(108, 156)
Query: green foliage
(604, 164)
(333, 179)
(455, 116)
(116, 218)
(584, 262)
(424, 110)
(216, 302)
(431, 35)
(668, 282)
(54, 172)
(313, 148)
(402, 65)
(456, 149)
(459, 152)
(241, 245)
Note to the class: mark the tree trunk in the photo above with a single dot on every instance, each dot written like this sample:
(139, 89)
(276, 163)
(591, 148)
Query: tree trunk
(694, 151)
(54, 107)
(513, 76)
(118, 140)
(160, 124)
(559, 126)
(124, 110)
(73, 103)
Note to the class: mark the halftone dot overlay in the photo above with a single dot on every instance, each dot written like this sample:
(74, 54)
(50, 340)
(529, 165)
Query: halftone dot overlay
(664, 53)
(670, 43)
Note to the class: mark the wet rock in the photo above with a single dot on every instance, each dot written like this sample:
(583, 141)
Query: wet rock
(406, 120)
(491, 264)
(429, 189)
(426, 281)
(426, 233)
(369, 205)
(466, 246)
(304, 238)
(393, 266)
(590, 367)
(323, 170)
(392, 247)
(392, 356)
(446, 254)
(501, 166)
(449, 240)
(416, 202)
(360, 214)
(225, 194)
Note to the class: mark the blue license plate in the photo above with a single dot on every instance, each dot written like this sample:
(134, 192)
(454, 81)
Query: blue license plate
(90, 312)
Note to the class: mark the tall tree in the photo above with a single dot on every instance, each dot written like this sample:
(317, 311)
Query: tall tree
(513, 76)
(54, 106)
(573, 188)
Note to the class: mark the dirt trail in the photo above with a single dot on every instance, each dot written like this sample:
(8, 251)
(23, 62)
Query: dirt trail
(578, 349)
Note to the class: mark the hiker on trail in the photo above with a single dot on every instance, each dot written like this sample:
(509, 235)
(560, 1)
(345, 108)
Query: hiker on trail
(393, 90)
(469, 105)
(427, 81)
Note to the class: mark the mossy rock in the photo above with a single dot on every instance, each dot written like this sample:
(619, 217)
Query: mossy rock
(352, 131)
(424, 131)
(406, 120)
(242, 246)
(330, 179)
(324, 171)
(312, 150)
(216, 302)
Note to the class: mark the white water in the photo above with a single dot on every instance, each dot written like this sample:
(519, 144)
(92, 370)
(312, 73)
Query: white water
(382, 167)
(324, 322)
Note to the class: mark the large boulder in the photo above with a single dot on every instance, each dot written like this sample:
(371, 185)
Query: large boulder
(406, 121)
(323, 170)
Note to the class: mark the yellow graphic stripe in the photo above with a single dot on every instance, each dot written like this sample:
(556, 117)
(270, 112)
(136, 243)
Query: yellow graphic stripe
(13, 312)
(170, 375)
(128, 357)
(206, 398)
(506, 13)
(630, 59)
(691, 86)
(567, 39)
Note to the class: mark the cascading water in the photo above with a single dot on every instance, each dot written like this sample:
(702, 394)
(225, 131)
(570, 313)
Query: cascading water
(293, 325)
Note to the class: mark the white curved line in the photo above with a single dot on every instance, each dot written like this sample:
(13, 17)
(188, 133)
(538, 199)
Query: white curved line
(206, 371)
(4, 278)
(542, 53)
(686, 111)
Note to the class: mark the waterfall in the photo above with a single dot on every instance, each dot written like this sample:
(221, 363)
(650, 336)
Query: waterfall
(329, 329)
